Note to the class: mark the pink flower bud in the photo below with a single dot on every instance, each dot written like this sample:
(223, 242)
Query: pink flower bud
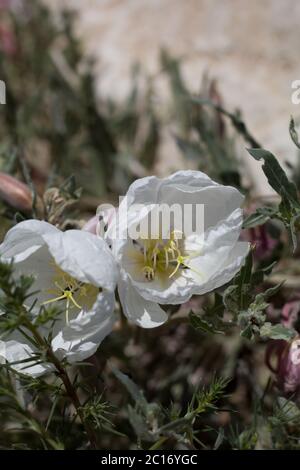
(4, 4)
(287, 367)
(99, 224)
(15, 193)
(91, 225)
(8, 42)
(290, 311)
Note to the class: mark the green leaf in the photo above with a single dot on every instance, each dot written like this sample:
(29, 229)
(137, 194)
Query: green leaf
(237, 296)
(260, 217)
(235, 119)
(259, 275)
(293, 230)
(287, 410)
(230, 298)
(276, 331)
(136, 394)
(263, 296)
(247, 332)
(211, 319)
(276, 175)
(252, 320)
(217, 309)
(203, 324)
(246, 272)
(139, 424)
(293, 133)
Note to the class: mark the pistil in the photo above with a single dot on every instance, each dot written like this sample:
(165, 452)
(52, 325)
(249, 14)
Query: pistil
(65, 289)
(160, 256)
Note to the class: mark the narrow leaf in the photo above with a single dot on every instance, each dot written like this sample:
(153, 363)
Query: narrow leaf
(294, 133)
(276, 175)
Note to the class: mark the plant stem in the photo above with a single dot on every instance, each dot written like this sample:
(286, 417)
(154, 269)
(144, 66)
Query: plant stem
(71, 391)
(159, 443)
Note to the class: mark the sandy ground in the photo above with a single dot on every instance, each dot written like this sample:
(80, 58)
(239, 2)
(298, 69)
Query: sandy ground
(250, 47)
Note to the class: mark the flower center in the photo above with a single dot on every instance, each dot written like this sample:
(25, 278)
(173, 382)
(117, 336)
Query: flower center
(163, 256)
(73, 292)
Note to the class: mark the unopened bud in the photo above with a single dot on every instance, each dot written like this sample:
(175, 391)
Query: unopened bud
(8, 42)
(99, 224)
(91, 225)
(287, 369)
(15, 193)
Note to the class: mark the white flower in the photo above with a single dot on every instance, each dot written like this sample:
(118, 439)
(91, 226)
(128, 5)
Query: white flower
(169, 271)
(74, 271)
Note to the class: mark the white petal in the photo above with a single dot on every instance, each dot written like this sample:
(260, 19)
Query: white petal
(213, 253)
(186, 187)
(14, 350)
(81, 337)
(79, 253)
(126, 219)
(231, 265)
(191, 178)
(85, 257)
(40, 265)
(144, 190)
(24, 239)
(138, 310)
(218, 201)
(218, 243)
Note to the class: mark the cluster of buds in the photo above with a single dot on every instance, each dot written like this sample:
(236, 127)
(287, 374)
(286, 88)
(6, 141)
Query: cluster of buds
(57, 201)
(50, 207)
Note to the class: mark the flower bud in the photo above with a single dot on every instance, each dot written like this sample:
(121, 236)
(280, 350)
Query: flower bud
(99, 224)
(4, 4)
(8, 43)
(91, 225)
(290, 311)
(287, 369)
(15, 193)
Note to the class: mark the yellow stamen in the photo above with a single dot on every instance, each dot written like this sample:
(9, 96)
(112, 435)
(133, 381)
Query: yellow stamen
(61, 297)
(166, 258)
(160, 254)
(149, 273)
(180, 261)
(66, 286)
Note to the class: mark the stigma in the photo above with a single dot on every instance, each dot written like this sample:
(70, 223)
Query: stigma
(69, 290)
(162, 256)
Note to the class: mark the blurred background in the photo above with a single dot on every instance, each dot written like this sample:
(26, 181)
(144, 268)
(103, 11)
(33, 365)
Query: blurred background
(248, 47)
(135, 59)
